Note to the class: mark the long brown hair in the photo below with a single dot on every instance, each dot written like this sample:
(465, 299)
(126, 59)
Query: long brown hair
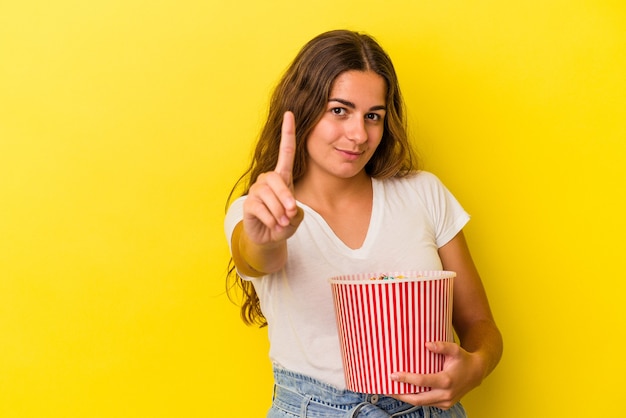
(304, 89)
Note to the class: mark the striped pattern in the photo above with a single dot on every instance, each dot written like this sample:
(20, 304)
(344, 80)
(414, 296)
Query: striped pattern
(384, 324)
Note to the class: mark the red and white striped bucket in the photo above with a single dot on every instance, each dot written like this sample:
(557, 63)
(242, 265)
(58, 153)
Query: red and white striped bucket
(384, 320)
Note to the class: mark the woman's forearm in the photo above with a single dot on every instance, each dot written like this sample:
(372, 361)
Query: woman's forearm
(256, 260)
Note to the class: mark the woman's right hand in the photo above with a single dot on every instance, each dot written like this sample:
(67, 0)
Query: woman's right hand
(270, 213)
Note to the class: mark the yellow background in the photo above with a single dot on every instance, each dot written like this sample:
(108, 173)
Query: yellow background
(124, 123)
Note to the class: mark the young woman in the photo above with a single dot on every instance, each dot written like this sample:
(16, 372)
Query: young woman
(334, 189)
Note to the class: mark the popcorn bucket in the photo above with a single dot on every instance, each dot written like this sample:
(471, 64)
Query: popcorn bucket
(385, 319)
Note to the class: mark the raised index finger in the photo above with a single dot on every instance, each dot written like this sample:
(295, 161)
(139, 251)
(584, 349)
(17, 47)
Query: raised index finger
(287, 150)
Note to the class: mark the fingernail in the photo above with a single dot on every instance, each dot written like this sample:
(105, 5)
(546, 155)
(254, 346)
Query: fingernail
(394, 376)
(284, 221)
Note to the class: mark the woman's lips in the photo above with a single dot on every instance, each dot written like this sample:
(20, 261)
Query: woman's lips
(350, 155)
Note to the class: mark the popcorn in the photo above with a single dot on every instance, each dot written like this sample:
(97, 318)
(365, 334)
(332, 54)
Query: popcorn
(386, 277)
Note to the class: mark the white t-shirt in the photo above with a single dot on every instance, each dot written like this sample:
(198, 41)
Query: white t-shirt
(412, 217)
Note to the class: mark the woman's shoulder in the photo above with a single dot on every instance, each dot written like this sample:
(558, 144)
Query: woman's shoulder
(422, 185)
(419, 178)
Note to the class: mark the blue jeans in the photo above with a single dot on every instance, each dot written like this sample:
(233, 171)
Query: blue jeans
(296, 395)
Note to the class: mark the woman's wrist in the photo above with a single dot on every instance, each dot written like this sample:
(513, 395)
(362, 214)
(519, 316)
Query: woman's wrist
(254, 259)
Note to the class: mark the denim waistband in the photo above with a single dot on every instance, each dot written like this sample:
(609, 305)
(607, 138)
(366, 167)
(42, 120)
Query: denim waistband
(306, 397)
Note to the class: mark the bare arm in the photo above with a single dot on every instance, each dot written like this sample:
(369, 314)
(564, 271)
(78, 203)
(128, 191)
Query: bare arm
(254, 260)
(270, 214)
(472, 317)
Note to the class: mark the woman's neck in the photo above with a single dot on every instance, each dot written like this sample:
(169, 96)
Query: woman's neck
(345, 204)
(333, 191)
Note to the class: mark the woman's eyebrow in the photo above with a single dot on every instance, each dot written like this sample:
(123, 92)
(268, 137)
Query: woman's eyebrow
(353, 106)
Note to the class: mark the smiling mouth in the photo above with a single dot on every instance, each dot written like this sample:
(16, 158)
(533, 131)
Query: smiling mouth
(350, 155)
(348, 152)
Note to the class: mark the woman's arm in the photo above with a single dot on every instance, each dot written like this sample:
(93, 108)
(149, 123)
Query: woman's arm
(270, 213)
(256, 260)
(472, 317)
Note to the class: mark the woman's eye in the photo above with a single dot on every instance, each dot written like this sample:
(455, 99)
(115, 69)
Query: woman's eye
(373, 116)
(339, 111)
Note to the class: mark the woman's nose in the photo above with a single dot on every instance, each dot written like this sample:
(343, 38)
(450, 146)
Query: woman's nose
(356, 130)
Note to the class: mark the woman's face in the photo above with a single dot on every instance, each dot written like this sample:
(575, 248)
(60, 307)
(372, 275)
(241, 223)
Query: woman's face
(351, 127)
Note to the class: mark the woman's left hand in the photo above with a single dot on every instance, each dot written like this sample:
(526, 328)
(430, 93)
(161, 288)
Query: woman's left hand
(462, 372)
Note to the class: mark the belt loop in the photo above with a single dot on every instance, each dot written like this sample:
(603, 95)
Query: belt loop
(369, 410)
(305, 406)
(355, 411)
(425, 412)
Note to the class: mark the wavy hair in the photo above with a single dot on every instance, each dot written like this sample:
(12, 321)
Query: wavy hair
(304, 89)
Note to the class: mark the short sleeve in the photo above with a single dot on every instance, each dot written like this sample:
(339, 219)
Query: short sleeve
(447, 214)
(234, 215)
